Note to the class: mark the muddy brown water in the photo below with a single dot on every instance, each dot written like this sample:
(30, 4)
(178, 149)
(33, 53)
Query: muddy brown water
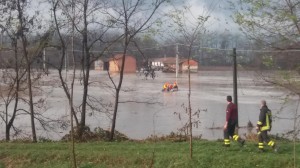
(146, 110)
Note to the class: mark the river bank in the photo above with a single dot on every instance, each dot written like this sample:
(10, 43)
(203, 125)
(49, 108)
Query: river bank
(210, 154)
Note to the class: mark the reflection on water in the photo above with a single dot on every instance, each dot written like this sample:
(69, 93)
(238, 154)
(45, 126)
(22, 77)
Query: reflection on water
(151, 111)
(209, 90)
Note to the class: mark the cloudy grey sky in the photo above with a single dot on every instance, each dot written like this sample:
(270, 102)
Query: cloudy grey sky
(219, 11)
(220, 15)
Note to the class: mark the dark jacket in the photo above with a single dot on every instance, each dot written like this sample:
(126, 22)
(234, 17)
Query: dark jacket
(231, 113)
(265, 119)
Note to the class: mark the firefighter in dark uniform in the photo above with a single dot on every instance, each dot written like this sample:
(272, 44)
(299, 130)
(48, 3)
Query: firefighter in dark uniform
(231, 123)
(264, 124)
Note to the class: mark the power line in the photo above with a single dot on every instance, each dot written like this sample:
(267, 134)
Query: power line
(194, 46)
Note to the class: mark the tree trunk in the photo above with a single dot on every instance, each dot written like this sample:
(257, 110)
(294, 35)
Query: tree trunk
(7, 133)
(28, 67)
(112, 131)
(69, 93)
(6, 122)
(11, 121)
(86, 71)
(29, 85)
(84, 101)
(72, 113)
(295, 131)
(65, 88)
(15, 87)
(190, 106)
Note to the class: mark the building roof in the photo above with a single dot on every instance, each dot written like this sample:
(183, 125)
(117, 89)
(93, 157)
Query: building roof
(119, 56)
(170, 60)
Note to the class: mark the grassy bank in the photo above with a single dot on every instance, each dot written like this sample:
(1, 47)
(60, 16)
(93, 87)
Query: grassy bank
(144, 154)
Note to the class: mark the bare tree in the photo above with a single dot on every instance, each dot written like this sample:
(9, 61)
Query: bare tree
(59, 26)
(68, 90)
(85, 22)
(190, 28)
(12, 79)
(21, 32)
(125, 15)
(92, 31)
(16, 24)
(11, 92)
(24, 24)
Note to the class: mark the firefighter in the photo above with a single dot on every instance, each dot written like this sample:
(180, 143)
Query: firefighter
(166, 87)
(175, 86)
(231, 123)
(264, 124)
(170, 87)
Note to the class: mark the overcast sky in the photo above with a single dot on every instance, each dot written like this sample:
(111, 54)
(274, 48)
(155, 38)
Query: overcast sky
(218, 10)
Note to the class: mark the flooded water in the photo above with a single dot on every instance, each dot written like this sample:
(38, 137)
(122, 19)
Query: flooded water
(146, 110)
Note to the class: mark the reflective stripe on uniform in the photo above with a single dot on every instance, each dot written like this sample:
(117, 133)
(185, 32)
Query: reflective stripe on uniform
(259, 123)
(260, 145)
(271, 143)
(235, 137)
(259, 133)
(267, 126)
(226, 141)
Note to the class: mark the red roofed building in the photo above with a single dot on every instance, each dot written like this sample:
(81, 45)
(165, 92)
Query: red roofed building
(115, 64)
(193, 65)
(168, 64)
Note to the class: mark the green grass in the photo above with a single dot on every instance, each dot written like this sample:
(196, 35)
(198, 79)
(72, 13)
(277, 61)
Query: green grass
(210, 154)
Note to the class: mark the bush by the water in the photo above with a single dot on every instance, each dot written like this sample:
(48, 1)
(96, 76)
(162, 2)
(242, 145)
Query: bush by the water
(99, 134)
(174, 137)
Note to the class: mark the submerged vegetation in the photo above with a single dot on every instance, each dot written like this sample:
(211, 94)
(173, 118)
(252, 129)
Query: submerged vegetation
(99, 134)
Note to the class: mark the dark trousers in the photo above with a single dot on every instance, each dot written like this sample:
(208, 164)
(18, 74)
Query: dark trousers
(229, 132)
(263, 137)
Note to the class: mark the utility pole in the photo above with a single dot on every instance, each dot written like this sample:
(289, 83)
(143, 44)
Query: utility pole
(2, 31)
(177, 66)
(66, 67)
(235, 94)
(44, 60)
